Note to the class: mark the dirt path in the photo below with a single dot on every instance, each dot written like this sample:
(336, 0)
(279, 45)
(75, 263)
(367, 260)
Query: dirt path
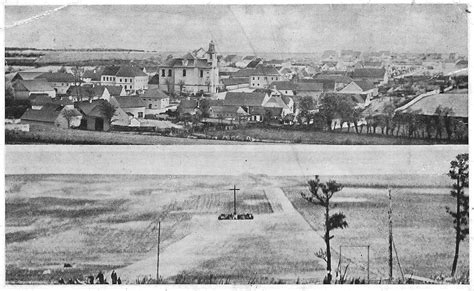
(212, 239)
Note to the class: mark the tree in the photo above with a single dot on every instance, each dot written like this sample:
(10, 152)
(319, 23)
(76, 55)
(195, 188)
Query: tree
(321, 194)
(204, 106)
(328, 108)
(459, 172)
(108, 110)
(305, 105)
(69, 115)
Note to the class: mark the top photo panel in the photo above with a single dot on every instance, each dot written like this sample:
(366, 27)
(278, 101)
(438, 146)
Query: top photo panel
(377, 74)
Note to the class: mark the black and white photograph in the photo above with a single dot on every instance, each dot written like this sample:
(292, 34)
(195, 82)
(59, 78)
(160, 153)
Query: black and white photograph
(236, 144)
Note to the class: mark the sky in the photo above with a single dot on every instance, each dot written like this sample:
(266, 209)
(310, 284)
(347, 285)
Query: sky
(242, 28)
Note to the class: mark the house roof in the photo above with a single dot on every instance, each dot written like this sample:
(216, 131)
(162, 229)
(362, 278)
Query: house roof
(427, 105)
(336, 78)
(188, 104)
(261, 70)
(247, 72)
(276, 101)
(91, 108)
(129, 101)
(57, 77)
(154, 93)
(244, 98)
(368, 73)
(47, 113)
(155, 80)
(235, 81)
(26, 75)
(130, 71)
(254, 63)
(110, 70)
(226, 109)
(248, 58)
(286, 99)
(114, 90)
(94, 76)
(82, 91)
(187, 63)
(33, 86)
(229, 58)
(313, 86)
(365, 84)
(283, 85)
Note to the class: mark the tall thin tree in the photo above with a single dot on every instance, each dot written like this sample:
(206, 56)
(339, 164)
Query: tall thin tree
(321, 194)
(459, 172)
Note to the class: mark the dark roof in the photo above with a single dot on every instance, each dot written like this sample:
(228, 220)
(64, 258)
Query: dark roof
(243, 73)
(248, 58)
(235, 81)
(216, 102)
(188, 104)
(225, 109)
(336, 78)
(33, 85)
(244, 98)
(47, 113)
(26, 75)
(187, 63)
(130, 71)
(368, 73)
(82, 91)
(154, 93)
(283, 85)
(254, 63)
(91, 108)
(261, 70)
(286, 99)
(364, 84)
(129, 101)
(110, 70)
(317, 86)
(114, 90)
(57, 77)
(94, 76)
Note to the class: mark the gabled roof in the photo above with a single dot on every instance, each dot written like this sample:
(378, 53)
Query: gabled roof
(243, 73)
(365, 84)
(368, 73)
(91, 108)
(276, 101)
(336, 78)
(57, 77)
(33, 86)
(235, 81)
(94, 76)
(81, 91)
(188, 104)
(244, 99)
(313, 86)
(226, 109)
(130, 71)
(155, 80)
(47, 113)
(154, 93)
(283, 85)
(248, 58)
(187, 63)
(261, 70)
(114, 90)
(110, 70)
(26, 75)
(129, 101)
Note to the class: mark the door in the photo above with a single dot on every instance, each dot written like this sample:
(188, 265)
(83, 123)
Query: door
(99, 124)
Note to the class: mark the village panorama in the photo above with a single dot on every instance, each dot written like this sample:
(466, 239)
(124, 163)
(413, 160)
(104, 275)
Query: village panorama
(234, 144)
(206, 94)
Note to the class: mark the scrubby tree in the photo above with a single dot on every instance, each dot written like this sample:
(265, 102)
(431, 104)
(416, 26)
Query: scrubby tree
(69, 115)
(321, 194)
(459, 172)
(305, 106)
(204, 106)
(108, 110)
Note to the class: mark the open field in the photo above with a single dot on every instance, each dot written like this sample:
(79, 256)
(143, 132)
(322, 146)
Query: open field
(40, 134)
(105, 222)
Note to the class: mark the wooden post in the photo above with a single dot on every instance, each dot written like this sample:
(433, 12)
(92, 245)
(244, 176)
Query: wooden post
(368, 264)
(158, 254)
(390, 237)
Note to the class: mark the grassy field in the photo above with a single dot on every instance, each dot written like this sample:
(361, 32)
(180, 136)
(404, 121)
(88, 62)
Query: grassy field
(105, 222)
(324, 137)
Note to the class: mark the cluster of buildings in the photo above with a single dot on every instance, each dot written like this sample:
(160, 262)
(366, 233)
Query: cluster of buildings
(237, 88)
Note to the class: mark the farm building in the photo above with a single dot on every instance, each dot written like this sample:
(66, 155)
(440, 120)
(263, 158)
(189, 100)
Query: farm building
(94, 117)
(132, 105)
(155, 101)
(52, 114)
(24, 88)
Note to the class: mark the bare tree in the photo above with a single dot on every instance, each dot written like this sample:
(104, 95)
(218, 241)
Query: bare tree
(321, 194)
(108, 110)
(459, 172)
(69, 115)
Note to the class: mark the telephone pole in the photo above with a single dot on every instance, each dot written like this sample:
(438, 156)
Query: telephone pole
(158, 255)
(235, 198)
(390, 237)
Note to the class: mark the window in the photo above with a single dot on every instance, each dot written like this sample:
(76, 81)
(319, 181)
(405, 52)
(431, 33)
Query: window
(184, 72)
(169, 73)
(253, 78)
(258, 84)
(163, 72)
(202, 73)
(120, 80)
(149, 106)
(140, 114)
(253, 84)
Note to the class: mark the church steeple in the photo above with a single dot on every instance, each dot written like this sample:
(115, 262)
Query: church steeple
(212, 48)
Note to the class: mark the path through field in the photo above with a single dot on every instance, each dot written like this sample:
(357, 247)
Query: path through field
(280, 237)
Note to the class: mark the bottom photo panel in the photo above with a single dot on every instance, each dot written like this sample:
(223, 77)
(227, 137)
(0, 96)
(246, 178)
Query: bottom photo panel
(237, 215)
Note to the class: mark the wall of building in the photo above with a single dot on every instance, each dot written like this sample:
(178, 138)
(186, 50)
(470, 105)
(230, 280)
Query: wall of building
(263, 81)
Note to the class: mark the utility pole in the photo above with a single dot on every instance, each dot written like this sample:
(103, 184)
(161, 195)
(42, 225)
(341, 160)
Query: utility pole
(158, 255)
(390, 237)
(235, 198)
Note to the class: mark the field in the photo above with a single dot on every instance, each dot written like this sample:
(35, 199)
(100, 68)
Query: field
(105, 222)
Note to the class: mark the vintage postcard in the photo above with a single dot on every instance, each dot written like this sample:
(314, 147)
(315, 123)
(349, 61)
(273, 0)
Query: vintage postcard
(236, 144)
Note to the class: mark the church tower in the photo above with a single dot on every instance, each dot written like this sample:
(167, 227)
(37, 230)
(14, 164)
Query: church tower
(212, 58)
